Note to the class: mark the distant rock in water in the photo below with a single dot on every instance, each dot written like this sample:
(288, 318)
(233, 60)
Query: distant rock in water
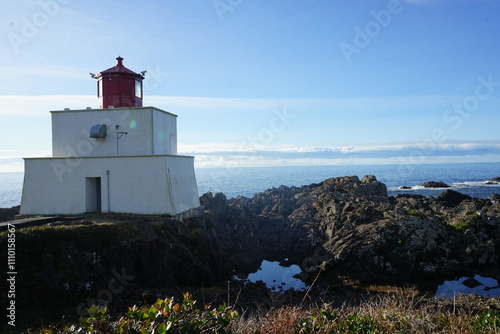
(434, 184)
(404, 187)
(494, 180)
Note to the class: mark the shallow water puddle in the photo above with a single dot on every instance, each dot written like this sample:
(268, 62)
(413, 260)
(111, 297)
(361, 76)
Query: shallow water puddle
(281, 278)
(277, 277)
(483, 286)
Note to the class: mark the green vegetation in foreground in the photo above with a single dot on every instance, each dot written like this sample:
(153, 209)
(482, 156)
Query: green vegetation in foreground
(394, 313)
(464, 225)
(415, 213)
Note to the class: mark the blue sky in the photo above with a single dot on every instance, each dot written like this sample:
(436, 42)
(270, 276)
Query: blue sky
(264, 83)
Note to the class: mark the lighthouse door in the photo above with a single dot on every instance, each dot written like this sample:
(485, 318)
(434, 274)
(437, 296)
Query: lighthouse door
(93, 194)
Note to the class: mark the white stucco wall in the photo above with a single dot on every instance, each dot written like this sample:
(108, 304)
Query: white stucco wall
(165, 134)
(154, 184)
(180, 174)
(149, 131)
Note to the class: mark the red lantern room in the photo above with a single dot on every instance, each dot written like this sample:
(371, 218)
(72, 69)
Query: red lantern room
(119, 87)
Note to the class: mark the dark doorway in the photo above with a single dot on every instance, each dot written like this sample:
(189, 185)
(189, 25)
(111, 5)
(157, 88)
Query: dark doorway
(93, 194)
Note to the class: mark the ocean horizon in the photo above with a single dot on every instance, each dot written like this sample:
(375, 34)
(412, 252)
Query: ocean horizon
(467, 178)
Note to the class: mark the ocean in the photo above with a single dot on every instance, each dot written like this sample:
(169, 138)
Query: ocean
(467, 178)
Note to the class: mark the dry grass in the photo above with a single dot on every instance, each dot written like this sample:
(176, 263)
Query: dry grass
(392, 313)
(282, 320)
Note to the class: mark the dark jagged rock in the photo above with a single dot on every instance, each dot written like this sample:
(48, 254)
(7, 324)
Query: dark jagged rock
(7, 214)
(435, 184)
(452, 197)
(495, 179)
(361, 232)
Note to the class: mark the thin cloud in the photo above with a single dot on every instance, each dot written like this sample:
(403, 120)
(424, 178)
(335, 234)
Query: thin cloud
(12, 160)
(40, 105)
(211, 155)
(387, 150)
(424, 2)
(436, 2)
(31, 70)
(25, 105)
(343, 103)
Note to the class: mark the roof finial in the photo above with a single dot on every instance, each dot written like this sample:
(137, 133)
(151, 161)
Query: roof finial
(119, 61)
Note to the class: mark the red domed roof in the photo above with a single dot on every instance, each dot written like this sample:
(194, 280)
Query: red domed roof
(119, 68)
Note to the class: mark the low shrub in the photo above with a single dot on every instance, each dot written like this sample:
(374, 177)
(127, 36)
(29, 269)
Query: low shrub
(164, 316)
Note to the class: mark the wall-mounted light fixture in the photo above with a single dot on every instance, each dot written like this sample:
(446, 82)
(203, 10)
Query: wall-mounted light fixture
(118, 136)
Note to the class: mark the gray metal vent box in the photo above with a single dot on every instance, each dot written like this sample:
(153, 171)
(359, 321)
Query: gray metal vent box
(98, 131)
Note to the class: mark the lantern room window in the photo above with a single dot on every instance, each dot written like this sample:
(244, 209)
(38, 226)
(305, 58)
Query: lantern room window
(99, 88)
(138, 89)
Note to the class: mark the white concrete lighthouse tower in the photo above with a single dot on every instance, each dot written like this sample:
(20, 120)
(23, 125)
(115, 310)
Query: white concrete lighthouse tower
(120, 158)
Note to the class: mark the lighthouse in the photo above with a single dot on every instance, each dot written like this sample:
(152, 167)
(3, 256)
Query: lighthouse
(119, 87)
(121, 157)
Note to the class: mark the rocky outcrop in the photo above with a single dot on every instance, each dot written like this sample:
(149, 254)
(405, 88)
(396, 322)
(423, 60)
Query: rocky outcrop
(360, 231)
(435, 184)
(250, 230)
(451, 197)
(7, 214)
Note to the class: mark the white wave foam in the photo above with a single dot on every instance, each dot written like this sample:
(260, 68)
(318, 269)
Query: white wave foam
(408, 188)
(468, 184)
(454, 185)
